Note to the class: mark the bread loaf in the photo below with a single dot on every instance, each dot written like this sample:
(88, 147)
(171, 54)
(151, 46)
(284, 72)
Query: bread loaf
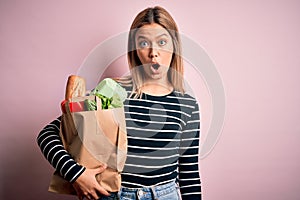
(75, 87)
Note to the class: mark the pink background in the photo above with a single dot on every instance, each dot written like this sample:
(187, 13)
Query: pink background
(254, 45)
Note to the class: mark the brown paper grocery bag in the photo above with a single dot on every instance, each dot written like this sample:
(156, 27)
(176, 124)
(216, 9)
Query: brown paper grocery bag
(94, 138)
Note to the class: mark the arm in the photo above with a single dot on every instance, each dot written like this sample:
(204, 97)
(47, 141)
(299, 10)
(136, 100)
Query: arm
(51, 146)
(83, 180)
(189, 177)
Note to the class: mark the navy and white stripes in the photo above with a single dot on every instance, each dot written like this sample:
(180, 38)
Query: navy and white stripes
(163, 144)
(51, 146)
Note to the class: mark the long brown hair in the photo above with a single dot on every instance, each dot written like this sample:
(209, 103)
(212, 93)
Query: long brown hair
(159, 16)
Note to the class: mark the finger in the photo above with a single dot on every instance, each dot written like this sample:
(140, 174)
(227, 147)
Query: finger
(100, 169)
(104, 166)
(94, 195)
(102, 190)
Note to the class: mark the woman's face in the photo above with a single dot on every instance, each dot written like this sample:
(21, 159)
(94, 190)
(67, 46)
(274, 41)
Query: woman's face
(154, 48)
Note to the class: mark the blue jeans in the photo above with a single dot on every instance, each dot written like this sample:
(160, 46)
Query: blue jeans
(112, 196)
(168, 191)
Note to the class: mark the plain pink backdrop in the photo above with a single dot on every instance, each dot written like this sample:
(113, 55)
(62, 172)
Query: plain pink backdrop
(254, 45)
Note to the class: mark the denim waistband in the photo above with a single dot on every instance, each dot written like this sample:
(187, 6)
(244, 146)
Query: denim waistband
(156, 191)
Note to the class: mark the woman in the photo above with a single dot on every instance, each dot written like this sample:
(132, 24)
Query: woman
(162, 122)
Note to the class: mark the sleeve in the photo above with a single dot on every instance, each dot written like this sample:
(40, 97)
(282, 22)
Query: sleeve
(52, 147)
(189, 175)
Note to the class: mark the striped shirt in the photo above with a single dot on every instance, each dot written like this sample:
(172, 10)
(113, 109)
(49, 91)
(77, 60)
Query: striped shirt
(163, 144)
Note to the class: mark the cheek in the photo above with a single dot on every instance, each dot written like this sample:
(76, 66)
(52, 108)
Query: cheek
(168, 53)
(142, 55)
(167, 57)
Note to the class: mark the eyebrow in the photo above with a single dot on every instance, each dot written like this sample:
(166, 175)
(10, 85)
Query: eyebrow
(161, 35)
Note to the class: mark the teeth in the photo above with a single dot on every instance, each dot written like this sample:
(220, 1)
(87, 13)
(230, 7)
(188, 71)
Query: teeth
(155, 66)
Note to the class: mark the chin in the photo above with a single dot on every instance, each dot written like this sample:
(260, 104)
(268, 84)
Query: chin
(155, 76)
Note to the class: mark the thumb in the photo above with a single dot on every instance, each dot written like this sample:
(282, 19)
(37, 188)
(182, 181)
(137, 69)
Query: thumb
(100, 169)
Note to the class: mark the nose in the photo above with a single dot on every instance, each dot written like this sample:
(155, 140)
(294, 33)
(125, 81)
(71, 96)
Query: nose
(153, 52)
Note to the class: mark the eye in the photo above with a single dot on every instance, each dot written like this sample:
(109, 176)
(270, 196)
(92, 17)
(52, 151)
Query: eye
(162, 42)
(143, 44)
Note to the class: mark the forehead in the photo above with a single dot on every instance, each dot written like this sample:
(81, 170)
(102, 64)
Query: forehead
(152, 30)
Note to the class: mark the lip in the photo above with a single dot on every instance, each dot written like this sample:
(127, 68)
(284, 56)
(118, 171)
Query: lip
(155, 67)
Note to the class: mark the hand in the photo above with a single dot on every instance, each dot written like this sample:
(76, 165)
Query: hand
(87, 186)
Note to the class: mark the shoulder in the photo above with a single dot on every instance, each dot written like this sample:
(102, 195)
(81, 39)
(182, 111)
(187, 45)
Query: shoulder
(189, 104)
(185, 99)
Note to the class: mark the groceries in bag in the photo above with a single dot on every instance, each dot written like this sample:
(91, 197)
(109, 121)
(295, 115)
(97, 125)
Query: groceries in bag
(93, 131)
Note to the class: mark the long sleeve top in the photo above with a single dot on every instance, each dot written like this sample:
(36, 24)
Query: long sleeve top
(163, 144)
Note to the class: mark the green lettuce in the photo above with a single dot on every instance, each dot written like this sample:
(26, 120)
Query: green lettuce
(112, 95)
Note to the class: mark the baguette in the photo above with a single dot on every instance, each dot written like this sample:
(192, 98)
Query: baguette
(75, 87)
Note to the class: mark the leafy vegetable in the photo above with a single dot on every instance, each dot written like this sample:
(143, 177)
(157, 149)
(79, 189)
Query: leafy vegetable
(112, 95)
(90, 104)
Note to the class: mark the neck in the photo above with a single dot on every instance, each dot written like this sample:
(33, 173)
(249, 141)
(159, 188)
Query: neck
(157, 87)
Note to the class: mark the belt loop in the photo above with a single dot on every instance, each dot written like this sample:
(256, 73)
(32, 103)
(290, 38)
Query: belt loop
(154, 193)
(139, 194)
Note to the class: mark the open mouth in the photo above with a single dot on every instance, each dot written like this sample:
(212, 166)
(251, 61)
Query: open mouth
(156, 66)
